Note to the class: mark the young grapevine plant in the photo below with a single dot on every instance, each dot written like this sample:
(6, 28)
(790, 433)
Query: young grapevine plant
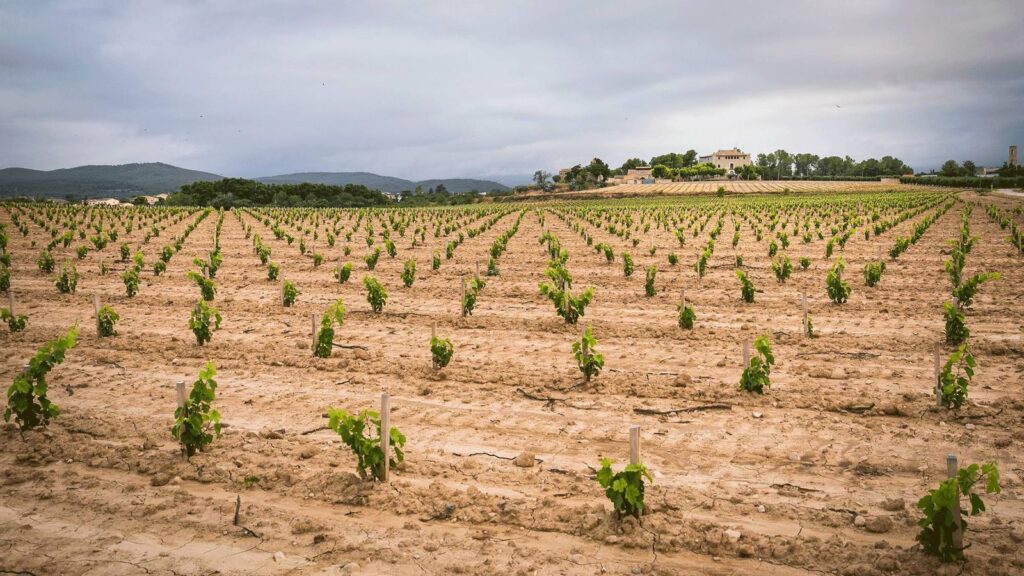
(106, 318)
(369, 454)
(588, 360)
(26, 397)
(441, 351)
(335, 315)
(686, 316)
(205, 319)
(344, 273)
(288, 293)
(197, 421)
(756, 375)
(747, 289)
(956, 330)
(956, 376)
(67, 280)
(376, 295)
(652, 272)
(939, 523)
(625, 488)
(14, 323)
(409, 272)
(873, 272)
(207, 288)
(838, 290)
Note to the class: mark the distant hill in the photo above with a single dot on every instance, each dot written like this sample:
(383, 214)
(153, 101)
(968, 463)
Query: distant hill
(128, 180)
(384, 183)
(122, 181)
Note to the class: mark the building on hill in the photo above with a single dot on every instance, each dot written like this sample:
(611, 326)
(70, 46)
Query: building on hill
(727, 159)
(638, 175)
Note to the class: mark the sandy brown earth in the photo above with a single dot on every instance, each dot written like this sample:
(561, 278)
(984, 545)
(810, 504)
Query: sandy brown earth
(819, 475)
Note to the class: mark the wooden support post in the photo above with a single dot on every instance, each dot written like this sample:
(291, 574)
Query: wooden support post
(746, 354)
(805, 312)
(938, 379)
(10, 301)
(477, 268)
(682, 296)
(180, 390)
(958, 534)
(634, 444)
(462, 303)
(312, 325)
(433, 331)
(385, 432)
(96, 310)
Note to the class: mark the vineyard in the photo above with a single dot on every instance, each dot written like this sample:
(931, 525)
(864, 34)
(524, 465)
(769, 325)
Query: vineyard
(756, 383)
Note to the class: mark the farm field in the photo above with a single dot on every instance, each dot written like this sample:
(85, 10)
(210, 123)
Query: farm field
(820, 474)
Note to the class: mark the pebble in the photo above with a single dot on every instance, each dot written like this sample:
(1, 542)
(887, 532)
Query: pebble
(525, 460)
(879, 524)
(757, 414)
(860, 521)
(733, 535)
(970, 426)
(350, 567)
(761, 508)
(278, 556)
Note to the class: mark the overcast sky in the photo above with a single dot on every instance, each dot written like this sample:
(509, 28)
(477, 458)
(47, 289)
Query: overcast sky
(446, 89)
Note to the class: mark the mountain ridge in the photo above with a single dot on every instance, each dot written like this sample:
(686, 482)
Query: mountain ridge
(149, 178)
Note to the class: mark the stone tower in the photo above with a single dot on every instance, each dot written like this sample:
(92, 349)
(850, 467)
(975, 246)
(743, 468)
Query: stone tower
(1013, 155)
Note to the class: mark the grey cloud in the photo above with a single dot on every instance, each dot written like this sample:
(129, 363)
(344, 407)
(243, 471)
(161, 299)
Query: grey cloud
(447, 89)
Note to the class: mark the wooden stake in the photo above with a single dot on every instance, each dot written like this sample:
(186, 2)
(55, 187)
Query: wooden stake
(805, 312)
(10, 301)
(746, 354)
(682, 296)
(634, 444)
(312, 325)
(180, 389)
(938, 380)
(462, 304)
(385, 432)
(433, 331)
(958, 534)
(96, 310)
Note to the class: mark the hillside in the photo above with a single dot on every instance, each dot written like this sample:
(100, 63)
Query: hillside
(123, 181)
(384, 183)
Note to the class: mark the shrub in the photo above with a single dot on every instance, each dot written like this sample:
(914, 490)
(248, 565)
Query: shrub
(130, 277)
(273, 269)
(126, 252)
(686, 316)
(14, 323)
(673, 259)
(318, 259)
(805, 262)
(627, 264)
(206, 286)
(288, 293)
(756, 375)
(390, 246)
(782, 268)
(376, 295)
(966, 291)
(625, 488)
(441, 351)
(956, 376)
(939, 523)
(652, 272)
(67, 280)
(27, 402)
(569, 307)
(106, 318)
(492, 267)
(159, 267)
(342, 274)
(371, 259)
(205, 319)
(369, 454)
(435, 261)
(45, 262)
(197, 418)
(701, 265)
(588, 360)
(873, 272)
(956, 329)
(81, 252)
(838, 290)
(409, 272)
(747, 289)
(335, 314)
